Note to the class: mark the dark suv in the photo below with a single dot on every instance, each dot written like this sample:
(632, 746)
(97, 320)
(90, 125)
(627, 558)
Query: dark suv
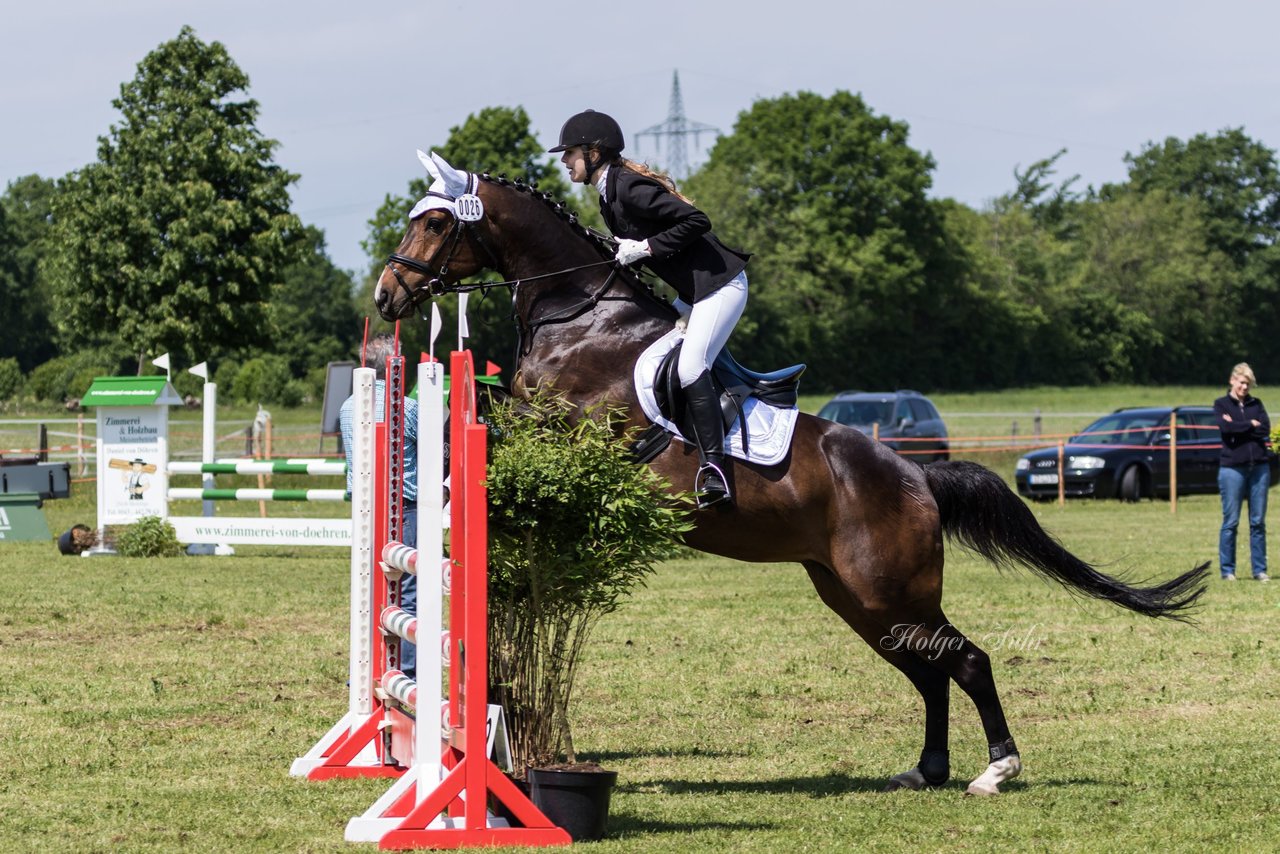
(902, 414)
(1126, 455)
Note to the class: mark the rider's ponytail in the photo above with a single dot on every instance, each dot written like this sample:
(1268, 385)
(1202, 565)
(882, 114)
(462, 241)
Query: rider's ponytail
(661, 177)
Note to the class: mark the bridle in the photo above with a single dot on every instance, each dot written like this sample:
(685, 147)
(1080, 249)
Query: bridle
(460, 230)
(463, 230)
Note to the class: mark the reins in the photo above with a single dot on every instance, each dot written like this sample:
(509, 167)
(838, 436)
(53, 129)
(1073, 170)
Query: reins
(524, 331)
(459, 231)
(436, 287)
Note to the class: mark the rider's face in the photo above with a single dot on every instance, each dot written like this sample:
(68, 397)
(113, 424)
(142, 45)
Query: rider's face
(574, 160)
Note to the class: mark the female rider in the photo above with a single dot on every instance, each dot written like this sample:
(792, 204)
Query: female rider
(656, 225)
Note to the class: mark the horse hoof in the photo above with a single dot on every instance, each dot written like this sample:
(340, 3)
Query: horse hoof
(912, 780)
(988, 783)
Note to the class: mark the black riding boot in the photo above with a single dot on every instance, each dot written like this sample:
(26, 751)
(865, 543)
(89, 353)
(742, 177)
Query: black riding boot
(710, 485)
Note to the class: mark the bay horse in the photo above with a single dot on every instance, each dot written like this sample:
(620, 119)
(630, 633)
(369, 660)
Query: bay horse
(866, 524)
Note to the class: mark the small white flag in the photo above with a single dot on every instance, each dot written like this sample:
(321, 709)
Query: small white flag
(436, 325)
(201, 370)
(463, 330)
(161, 361)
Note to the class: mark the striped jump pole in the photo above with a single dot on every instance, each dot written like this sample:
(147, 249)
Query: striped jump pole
(238, 466)
(210, 533)
(404, 625)
(401, 688)
(398, 556)
(178, 493)
(400, 622)
(223, 530)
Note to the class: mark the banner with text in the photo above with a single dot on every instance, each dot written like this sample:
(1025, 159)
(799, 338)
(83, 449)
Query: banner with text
(262, 532)
(132, 463)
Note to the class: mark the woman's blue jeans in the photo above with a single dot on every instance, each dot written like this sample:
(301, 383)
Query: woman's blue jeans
(1236, 483)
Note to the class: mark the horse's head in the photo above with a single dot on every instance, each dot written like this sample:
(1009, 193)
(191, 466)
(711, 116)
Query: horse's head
(443, 243)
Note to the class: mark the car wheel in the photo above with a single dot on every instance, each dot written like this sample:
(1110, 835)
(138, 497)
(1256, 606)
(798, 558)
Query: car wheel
(1131, 484)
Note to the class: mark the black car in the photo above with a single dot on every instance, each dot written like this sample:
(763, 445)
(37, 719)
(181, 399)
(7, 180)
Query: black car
(1126, 455)
(902, 414)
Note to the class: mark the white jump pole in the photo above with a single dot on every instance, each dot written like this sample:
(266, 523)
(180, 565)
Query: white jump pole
(208, 443)
(427, 727)
(360, 702)
(362, 545)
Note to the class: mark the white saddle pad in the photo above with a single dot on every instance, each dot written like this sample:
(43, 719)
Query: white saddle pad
(769, 428)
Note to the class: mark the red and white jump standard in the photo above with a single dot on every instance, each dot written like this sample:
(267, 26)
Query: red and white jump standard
(442, 799)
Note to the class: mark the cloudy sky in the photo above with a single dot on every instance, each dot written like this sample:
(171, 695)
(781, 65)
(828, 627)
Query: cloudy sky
(351, 89)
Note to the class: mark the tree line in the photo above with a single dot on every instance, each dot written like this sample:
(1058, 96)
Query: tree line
(180, 238)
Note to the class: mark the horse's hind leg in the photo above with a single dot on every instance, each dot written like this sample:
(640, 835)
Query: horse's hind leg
(948, 649)
(934, 767)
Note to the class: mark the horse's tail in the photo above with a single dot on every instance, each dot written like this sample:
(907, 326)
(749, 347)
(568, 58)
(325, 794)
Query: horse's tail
(980, 512)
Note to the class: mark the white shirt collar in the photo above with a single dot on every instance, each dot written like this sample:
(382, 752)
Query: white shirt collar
(602, 182)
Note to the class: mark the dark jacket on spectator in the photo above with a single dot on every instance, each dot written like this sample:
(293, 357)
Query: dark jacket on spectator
(1242, 443)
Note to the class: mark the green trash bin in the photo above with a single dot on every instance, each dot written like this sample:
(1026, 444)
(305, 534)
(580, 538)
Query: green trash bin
(21, 517)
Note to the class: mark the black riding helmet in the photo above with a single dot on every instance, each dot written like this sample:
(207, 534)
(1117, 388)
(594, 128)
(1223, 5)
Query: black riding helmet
(592, 130)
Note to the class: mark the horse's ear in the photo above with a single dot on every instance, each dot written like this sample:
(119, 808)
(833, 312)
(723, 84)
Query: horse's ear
(430, 164)
(455, 180)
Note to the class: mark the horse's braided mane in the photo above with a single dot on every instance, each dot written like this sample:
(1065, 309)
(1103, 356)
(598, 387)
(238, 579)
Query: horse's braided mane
(598, 241)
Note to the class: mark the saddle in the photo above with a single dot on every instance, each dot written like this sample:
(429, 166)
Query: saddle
(734, 383)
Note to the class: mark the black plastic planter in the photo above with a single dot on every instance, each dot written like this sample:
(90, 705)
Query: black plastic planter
(577, 801)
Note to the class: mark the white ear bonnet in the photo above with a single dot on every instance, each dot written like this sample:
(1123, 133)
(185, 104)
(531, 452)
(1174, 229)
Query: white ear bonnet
(451, 190)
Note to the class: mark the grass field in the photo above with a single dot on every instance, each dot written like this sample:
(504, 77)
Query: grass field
(156, 705)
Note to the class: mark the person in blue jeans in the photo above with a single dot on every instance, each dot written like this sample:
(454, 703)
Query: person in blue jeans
(1243, 471)
(379, 349)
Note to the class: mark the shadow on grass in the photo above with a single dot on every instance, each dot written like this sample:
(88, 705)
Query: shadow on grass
(623, 826)
(605, 756)
(827, 786)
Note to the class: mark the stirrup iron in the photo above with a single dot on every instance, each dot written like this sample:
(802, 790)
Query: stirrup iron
(710, 486)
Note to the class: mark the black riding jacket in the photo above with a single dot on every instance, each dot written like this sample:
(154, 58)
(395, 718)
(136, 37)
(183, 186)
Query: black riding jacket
(686, 255)
(1242, 443)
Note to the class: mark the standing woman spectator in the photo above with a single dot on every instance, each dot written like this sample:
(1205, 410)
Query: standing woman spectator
(1243, 471)
(659, 227)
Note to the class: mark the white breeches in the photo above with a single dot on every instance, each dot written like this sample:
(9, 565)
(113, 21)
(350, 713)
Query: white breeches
(710, 323)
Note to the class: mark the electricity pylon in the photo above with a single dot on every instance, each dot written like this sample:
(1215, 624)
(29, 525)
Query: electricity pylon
(676, 131)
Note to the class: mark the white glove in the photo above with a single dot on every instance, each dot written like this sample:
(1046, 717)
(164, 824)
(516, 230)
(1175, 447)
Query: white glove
(631, 251)
(684, 310)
